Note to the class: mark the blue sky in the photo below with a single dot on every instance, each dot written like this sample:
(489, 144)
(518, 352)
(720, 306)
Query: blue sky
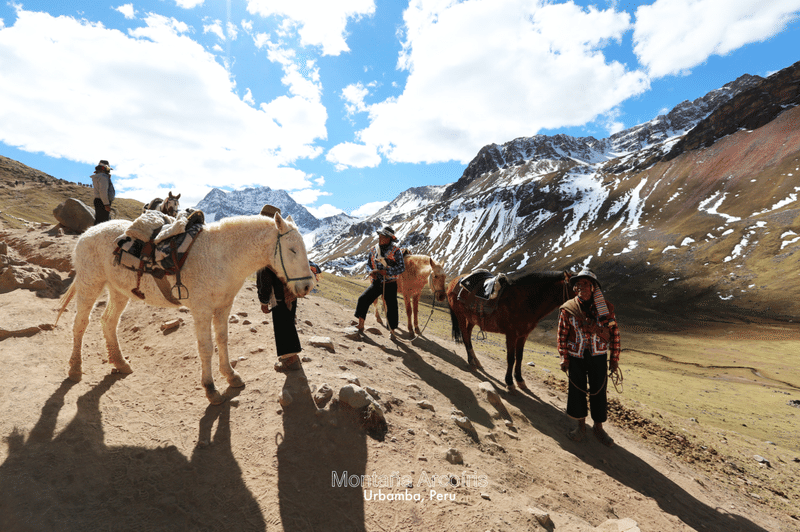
(347, 103)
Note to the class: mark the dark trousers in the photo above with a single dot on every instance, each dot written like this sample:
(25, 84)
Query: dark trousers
(374, 291)
(100, 213)
(593, 369)
(286, 339)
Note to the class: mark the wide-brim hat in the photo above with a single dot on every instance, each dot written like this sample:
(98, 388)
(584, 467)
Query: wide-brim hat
(387, 231)
(270, 210)
(103, 162)
(584, 274)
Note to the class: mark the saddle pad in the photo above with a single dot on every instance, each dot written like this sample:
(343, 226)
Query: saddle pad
(181, 244)
(480, 283)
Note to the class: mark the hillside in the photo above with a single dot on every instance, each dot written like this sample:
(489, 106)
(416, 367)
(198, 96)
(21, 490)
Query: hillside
(146, 449)
(695, 210)
(29, 195)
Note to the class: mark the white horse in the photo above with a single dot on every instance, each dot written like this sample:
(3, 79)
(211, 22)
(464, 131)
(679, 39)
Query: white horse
(224, 254)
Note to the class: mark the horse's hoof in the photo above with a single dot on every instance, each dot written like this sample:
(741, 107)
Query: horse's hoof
(215, 398)
(122, 368)
(523, 386)
(235, 381)
(75, 376)
(416, 330)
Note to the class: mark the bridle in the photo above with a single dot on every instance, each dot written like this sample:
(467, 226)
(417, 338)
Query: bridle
(279, 252)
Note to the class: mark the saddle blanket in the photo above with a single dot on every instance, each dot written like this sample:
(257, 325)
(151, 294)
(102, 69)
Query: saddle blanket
(153, 242)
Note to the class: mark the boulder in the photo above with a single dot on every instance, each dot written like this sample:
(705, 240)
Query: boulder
(74, 214)
(353, 395)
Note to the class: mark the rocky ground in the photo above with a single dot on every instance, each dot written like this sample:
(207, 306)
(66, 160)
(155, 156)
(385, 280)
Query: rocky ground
(146, 451)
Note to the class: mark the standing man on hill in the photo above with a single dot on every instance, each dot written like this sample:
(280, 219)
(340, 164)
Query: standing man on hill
(385, 266)
(103, 192)
(587, 331)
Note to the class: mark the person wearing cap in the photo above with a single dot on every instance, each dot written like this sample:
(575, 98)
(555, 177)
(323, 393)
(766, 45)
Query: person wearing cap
(587, 331)
(385, 264)
(103, 192)
(276, 299)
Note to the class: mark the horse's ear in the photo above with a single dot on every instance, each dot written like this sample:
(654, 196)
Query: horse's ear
(289, 219)
(280, 223)
(178, 196)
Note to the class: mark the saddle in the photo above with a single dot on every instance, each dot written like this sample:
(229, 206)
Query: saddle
(480, 291)
(158, 245)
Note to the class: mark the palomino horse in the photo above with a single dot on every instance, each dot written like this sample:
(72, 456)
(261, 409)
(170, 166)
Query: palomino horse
(526, 300)
(169, 206)
(223, 255)
(420, 270)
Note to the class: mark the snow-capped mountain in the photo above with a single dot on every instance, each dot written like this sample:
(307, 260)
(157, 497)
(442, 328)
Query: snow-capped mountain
(698, 203)
(219, 204)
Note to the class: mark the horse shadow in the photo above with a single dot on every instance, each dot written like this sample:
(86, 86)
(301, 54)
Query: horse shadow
(318, 454)
(459, 394)
(73, 481)
(628, 469)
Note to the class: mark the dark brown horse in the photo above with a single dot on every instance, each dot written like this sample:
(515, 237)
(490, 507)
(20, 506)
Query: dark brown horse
(525, 300)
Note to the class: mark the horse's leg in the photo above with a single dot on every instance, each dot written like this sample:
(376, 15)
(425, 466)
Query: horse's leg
(110, 320)
(415, 310)
(86, 295)
(408, 299)
(511, 348)
(377, 313)
(221, 333)
(520, 347)
(466, 329)
(205, 348)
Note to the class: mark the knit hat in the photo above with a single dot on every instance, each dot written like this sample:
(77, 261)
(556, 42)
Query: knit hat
(387, 231)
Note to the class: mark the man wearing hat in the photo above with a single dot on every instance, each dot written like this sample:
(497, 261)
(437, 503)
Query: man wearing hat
(587, 330)
(103, 191)
(274, 298)
(385, 264)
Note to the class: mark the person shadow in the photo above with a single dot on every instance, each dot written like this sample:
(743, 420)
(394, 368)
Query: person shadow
(73, 481)
(322, 458)
(627, 468)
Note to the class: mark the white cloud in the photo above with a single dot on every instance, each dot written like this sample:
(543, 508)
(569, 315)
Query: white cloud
(307, 196)
(127, 10)
(154, 103)
(216, 28)
(368, 209)
(248, 97)
(323, 211)
(672, 36)
(491, 70)
(347, 154)
(354, 95)
(188, 4)
(320, 23)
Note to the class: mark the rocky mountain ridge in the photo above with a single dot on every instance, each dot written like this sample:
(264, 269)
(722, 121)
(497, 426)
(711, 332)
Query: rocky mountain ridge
(690, 206)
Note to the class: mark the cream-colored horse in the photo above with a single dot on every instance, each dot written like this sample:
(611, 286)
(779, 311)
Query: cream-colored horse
(224, 254)
(420, 270)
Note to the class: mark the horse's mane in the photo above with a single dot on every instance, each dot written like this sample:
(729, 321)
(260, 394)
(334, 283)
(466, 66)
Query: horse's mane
(533, 278)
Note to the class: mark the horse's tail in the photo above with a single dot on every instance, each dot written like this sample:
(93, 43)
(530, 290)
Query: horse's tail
(64, 301)
(456, 328)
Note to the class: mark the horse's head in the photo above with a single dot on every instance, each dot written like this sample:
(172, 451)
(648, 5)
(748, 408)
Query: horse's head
(436, 280)
(171, 205)
(290, 261)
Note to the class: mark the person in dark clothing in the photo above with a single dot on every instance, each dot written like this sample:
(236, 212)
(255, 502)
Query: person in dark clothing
(103, 192)
(385, 264)
(275, 299)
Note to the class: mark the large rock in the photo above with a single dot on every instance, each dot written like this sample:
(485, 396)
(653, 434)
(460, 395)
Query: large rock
(74, 214)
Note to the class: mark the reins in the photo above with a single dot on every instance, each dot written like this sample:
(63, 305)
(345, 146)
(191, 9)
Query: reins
(279, 251)
(616, 380)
